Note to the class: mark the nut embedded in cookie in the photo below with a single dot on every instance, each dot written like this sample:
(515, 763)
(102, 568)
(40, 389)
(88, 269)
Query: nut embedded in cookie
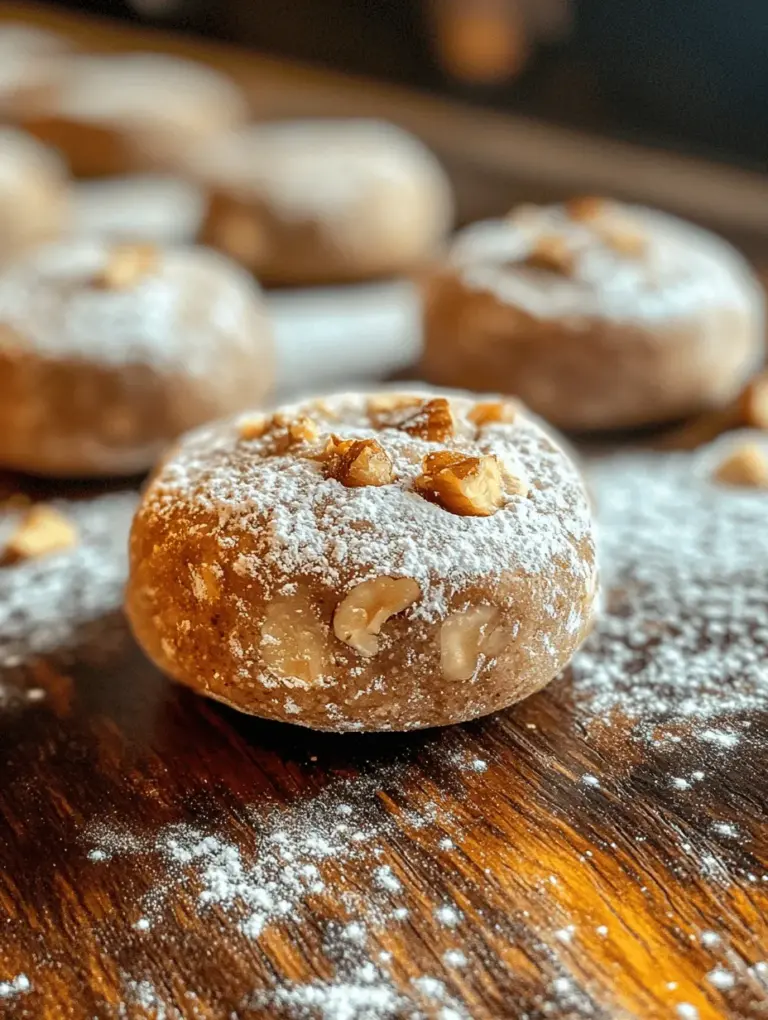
(364, 611)
(552, 254)
(433, 421)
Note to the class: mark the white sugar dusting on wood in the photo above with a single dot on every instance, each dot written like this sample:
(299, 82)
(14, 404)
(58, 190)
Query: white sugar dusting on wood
(684, 562)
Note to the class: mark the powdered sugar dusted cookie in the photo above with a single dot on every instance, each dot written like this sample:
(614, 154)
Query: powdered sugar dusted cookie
(26, 57)
(131, 111)
(35, 195)
(108, 352)
(598, 315)
(365, 562)
(324, 201)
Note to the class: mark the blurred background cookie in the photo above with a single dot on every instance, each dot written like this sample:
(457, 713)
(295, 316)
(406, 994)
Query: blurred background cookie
(107, 353)
(35, 194)
(26, 53)
(597, 315)
(131, 111)
(138, 207)
(323, 201)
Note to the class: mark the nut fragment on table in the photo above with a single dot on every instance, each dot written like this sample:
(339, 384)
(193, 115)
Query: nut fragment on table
(41, 532)
(746, 466)
(358, 619)
(467, 486)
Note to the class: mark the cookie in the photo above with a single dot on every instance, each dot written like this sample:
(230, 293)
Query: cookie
(132, 111)
(365, 562)
(598, 315)
(26, 57)
(138, 207)
(35, 194)
(107, 353)
(324, 201)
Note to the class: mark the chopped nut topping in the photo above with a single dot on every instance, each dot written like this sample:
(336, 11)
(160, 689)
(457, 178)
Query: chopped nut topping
(585, 207)
(552, 254)
(432, 421)
(387, 409)
(254, 428)
(467, 486)
(127, 264)
(294, 641)
(357, 462)
(41, 531)
(625, 238)
(467, 635)
(288, 431)
(364, 611)
(492, 412)
(754, 402)
(746, 466)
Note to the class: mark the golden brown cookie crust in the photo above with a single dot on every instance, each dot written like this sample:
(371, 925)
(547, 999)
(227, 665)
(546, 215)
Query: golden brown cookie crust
(598, 316)
(324, 201)
(109, 352)
(365, 564)
(130, 112)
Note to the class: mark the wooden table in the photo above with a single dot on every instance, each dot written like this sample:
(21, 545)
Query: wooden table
(162, 856)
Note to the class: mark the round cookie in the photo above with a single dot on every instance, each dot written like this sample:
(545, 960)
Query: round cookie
(597, 315)
(380, 562)
(324, 201)
(26, 56)
(35, 194)
(109, 353)
(132, 111)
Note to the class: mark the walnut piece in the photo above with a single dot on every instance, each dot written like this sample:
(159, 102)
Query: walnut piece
(585, 208)
(364, 611)
(552, 254)
(127, 264)
(465, 637)
(42, 531)
(492, 412)
(357, 462)
(754, 402)
(432, 421)
(294, 642)
(255, 427)
(386, 410)
(746, 466)
(624, 237)
(467, 486)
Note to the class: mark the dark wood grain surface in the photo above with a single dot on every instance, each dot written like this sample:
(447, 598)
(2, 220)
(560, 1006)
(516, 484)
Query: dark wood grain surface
(549, 854)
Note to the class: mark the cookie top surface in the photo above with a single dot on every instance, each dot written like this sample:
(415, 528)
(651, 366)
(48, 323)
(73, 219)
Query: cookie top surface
(126, 304)
(307, 168)
(282, 510)
(24, 54)
(21, 155)
(144, 89)
(598, 258)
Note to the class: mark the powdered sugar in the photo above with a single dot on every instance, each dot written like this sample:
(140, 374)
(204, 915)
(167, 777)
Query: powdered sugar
(305, 524)
(176, 318)
(45, 603)
(686, 631)
(16, 986)
(680, 270)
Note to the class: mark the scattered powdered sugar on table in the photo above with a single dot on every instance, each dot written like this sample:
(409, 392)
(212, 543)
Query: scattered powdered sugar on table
(45, 603)
(16, 986)
(685, 562)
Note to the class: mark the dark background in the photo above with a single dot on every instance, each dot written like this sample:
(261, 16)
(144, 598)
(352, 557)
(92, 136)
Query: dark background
(687, 74)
